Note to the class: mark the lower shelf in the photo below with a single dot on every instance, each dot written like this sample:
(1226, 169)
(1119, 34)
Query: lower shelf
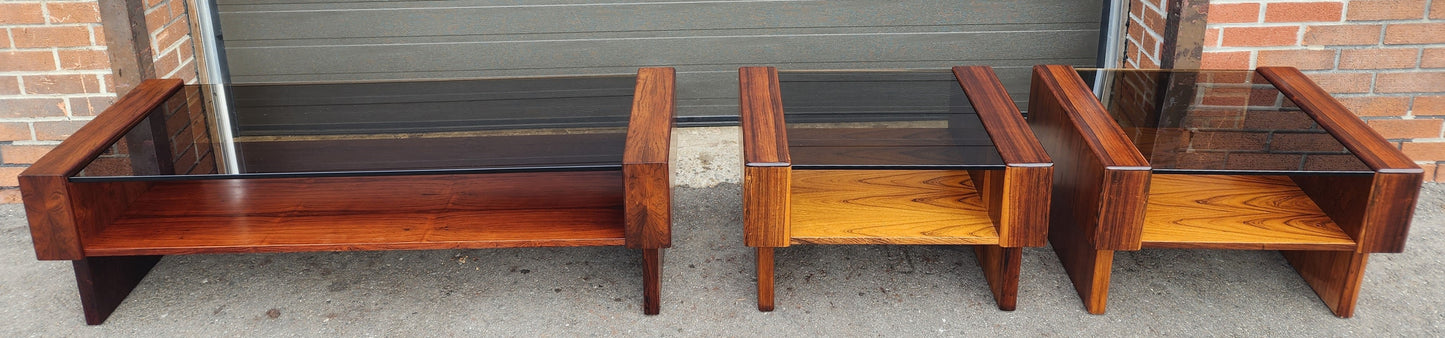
(368, 213)
(1236, 212)
(888, 207)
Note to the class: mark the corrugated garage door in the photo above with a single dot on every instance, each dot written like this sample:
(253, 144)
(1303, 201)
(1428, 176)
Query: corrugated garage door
(328, 40)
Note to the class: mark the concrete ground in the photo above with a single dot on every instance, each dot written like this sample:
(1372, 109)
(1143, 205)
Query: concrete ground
(708, 288)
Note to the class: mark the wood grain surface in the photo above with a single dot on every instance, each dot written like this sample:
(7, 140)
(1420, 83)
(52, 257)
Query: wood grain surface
(1384, 217)
(1018, 197)
(766, 171)
(44, 187)
(1334, 275)
(104, 282)
(1237, 212)
(1001, 269)
(369, 213)
(888, 207)
(1359, 138)
(767, 204)
(765, 279)
(1001, 118)
(765, 140)
(1100, 179)
(645, 169)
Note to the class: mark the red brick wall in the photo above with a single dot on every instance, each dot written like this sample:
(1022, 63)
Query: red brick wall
(1385, 59)
(55, 74)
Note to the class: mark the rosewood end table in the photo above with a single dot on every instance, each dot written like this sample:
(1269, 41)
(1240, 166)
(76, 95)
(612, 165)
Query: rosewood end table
(454, 164)
(891, 157)
(1248, 160)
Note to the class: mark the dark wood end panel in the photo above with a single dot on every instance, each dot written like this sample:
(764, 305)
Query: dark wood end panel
(52, 220)
(1100, 180)
(61, 214)
(767, 208)
(765, 140)
(647, 184)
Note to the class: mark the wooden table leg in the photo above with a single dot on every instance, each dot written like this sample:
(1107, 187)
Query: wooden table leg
(1089, 269)
(1001, 269)
(106, 281)
(765, 279)
(1334, 275)
(651, 281)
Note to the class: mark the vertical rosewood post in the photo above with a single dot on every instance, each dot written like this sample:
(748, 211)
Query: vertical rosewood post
(1334, 275)
(767, 172)
(1101, 185)
(1018, 196)
(765, 279)
(651, 281)
(646, 183)
(1001, 270)
(106, 281)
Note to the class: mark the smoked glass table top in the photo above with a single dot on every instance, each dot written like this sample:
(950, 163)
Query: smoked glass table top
(882, 120)
(335, 129)
(1233, 122)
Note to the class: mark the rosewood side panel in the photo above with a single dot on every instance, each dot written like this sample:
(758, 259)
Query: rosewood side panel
(645, 166)
(1376, 214)
(766, 171)
(56, 223)
(1018, 196)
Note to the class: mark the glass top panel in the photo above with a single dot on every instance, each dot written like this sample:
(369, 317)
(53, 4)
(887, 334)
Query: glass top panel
(564, 123)
(1219, 122)
(882, 120)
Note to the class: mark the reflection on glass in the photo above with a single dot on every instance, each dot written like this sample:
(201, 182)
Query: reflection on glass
(889, 119)
(1219, 121)
(531, 123)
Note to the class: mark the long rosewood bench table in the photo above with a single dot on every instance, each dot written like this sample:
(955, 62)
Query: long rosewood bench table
(1248, 160)
(897, 157)
(460, 164)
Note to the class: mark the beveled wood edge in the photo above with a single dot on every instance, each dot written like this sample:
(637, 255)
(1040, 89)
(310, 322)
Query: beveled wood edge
(1090, 119)
(1359, 138)
(1003, 122)
(647, 184)
(654, 104)
(765, 140)
(110, 126)
(44, 186)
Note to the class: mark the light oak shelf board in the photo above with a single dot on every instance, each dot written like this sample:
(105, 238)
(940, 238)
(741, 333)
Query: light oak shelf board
(1236, 212)
(888, 207)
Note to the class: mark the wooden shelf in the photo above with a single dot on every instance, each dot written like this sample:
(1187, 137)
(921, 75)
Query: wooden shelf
(1236, 212)
(888, 207)
(368, 213)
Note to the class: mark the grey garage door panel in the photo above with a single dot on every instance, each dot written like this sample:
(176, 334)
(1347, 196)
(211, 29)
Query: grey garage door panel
(672, 18)
(371, 62)
(297, 41)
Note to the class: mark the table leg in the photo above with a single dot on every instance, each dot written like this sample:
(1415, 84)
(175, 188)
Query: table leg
(1334, 275)
(106, 281)
(1001, 269)
(651, 281)
(1088, 269)
(765, 279)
